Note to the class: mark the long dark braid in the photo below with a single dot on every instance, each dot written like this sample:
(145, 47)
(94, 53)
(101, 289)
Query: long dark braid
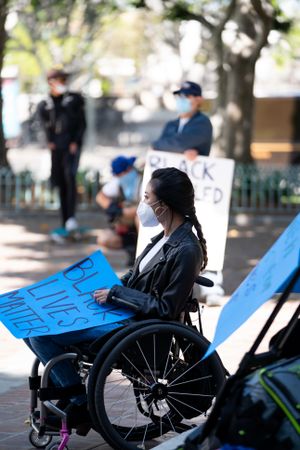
(193, 218)
(175, 189)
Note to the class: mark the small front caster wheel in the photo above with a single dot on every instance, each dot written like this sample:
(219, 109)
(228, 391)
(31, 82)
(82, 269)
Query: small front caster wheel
(39, 441)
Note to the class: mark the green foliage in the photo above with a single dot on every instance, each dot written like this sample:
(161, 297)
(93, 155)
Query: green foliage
(178, 11)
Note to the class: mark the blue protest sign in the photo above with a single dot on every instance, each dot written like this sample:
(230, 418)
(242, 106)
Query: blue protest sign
(63, 302)
(270, 276)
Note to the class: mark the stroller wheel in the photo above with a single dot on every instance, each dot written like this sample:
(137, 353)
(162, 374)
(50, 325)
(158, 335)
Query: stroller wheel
(56, 445)
(39, 441)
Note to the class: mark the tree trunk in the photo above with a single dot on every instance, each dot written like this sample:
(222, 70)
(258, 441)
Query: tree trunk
(234, 106)
(3, 15)
(238, 115)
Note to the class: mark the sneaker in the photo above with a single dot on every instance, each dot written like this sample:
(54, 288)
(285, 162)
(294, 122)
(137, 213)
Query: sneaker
(57, 238)
(71, 224)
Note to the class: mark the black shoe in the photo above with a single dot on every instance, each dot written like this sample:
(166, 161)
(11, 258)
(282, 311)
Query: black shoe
(62, 404)
(78, 417)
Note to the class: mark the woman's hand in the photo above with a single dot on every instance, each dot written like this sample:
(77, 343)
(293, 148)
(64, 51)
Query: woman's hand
(100, 296)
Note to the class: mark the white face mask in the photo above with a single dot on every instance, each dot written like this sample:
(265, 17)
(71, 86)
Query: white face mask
(60, 88)
(183, 105)
(146, 215)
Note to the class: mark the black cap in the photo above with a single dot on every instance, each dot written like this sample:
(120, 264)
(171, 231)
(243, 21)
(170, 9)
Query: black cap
(189, 88)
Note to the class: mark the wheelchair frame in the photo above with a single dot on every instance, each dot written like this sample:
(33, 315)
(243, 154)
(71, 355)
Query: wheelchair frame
(41, 435)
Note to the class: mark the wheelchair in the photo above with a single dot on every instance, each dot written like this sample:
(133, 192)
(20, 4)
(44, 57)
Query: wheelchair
(145, 382)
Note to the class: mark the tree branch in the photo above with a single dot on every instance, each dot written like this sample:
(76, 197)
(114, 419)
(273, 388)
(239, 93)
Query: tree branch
(226, 17)
(267, 17)
(262, 12)
(200, 18)
(180, 11)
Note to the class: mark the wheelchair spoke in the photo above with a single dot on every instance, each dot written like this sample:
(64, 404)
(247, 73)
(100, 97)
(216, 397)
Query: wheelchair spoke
(116, 383)
(160, 425)
(119, 399)
(184, 373)
(177, 361)
(117, 402)
(190, 381)
(128, 389)
(185, 404)
(162, 418)
(145, 359)
(130, 362)
(129, 415)
(154, 352)
(168, 357)
(130, 431)
(139, 381)
(133, 426)
(144, 437)
(175, 408)
(189, 394)
(168, 417)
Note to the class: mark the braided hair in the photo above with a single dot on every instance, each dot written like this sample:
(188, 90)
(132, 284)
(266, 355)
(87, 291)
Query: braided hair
(175, 189)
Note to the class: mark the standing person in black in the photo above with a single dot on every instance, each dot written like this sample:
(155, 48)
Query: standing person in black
(63, 118)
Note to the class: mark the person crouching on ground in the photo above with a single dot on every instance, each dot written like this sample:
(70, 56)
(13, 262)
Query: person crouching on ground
(119, 199)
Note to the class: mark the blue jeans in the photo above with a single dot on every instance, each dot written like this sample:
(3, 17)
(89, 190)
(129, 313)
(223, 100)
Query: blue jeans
(64, 373)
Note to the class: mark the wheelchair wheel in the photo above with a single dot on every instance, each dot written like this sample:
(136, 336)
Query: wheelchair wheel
(38, 442)
(103, 352)
(154, 383)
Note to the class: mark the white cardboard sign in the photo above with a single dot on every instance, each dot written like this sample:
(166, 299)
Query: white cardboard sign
(212, 181)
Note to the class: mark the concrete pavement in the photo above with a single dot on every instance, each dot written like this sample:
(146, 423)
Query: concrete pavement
(27, 255)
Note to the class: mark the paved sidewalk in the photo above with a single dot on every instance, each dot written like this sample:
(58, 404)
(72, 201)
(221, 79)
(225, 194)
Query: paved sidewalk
(26, 256)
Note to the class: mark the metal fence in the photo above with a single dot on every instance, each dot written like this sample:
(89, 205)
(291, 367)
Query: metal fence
(21, 191)
(255, 189)
(266, 189)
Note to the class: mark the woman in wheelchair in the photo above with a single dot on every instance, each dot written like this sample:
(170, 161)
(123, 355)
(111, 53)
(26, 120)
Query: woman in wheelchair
(159, 284)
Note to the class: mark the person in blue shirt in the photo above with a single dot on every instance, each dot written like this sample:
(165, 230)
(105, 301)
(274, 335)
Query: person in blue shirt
(191, 132)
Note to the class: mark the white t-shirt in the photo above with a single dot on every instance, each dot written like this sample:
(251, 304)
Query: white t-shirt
(154, 250)
(182, 122)
(112, 188)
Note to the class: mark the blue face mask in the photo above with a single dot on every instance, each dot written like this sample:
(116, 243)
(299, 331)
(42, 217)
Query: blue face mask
(183, 105)
(129, 184)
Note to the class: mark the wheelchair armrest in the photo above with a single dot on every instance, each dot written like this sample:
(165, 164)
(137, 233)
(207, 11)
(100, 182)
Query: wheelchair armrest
(203, 281)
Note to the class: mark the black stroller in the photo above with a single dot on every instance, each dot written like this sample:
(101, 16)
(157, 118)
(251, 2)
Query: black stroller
(258, 407)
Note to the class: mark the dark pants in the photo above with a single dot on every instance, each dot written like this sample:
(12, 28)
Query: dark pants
(64, 373)
(63, 175)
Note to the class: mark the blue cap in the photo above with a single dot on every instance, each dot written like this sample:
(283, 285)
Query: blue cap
(189, 88)
(121, 163)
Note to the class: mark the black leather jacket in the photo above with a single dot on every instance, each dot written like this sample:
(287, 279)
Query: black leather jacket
(162, 289)
(63, 118)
